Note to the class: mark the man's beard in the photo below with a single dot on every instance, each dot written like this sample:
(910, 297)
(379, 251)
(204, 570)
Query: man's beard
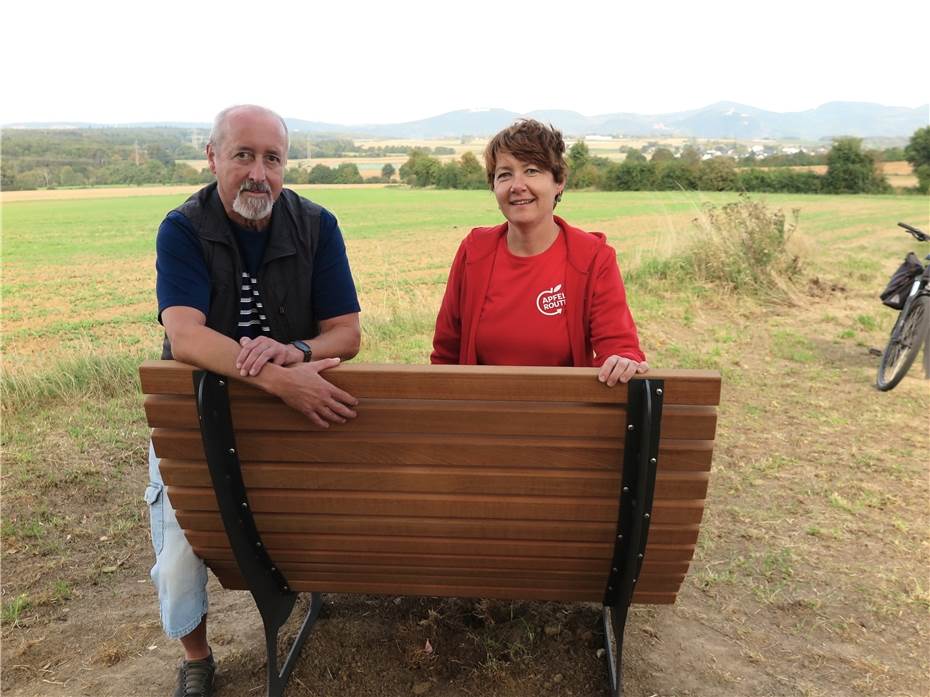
(251, 207)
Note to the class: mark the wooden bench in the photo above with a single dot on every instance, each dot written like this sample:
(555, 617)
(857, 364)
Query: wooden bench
(466, 481)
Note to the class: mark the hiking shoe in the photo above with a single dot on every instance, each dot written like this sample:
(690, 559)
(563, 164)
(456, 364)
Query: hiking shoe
(195, 678)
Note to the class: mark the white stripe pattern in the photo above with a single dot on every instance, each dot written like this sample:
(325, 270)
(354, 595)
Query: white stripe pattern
(251, 315)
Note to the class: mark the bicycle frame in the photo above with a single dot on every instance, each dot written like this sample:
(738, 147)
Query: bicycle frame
(901, 349)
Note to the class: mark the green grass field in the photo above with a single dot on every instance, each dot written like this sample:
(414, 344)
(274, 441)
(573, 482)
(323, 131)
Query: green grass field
(79, 274)
(811, 573)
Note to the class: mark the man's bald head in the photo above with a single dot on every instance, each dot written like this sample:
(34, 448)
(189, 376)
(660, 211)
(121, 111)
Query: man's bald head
(218, 133)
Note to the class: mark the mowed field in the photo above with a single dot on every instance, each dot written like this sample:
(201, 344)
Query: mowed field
(811, 575)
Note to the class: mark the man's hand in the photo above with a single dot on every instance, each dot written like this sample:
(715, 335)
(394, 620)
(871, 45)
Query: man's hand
(618, 368)
(320, 401)
(263, 349)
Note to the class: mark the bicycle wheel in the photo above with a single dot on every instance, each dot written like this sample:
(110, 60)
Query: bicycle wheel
(906, 337)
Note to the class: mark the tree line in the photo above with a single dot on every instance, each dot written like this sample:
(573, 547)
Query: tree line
(104, 156)
(80, 157)
(850, 170)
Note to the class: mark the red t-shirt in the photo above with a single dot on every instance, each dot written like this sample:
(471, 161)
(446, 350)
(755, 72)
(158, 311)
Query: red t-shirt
(523, 321)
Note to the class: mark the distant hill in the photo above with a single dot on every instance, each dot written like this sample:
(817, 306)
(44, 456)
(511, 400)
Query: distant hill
(721, 120)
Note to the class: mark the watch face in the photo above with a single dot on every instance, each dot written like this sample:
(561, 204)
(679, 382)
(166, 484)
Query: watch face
(302, 345)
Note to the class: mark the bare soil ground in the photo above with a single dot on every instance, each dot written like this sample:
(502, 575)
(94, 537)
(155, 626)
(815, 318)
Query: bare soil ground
(811, 576)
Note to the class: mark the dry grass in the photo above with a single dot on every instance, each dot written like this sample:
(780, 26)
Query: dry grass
(96, 193)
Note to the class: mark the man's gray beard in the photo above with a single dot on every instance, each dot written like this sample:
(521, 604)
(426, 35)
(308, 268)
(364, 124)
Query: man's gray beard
(252, 208)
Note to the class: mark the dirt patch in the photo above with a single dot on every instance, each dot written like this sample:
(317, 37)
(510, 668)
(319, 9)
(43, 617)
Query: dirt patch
(819, 288)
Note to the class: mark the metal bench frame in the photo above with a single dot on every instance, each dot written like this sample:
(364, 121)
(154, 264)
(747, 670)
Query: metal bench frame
(274, 598)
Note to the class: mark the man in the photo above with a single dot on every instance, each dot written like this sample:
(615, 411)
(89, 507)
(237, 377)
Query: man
(254, 283)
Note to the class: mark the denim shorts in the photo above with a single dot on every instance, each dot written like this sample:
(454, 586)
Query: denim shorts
(180, 576)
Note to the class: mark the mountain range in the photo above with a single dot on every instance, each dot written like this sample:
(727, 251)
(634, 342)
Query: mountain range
(720, 120)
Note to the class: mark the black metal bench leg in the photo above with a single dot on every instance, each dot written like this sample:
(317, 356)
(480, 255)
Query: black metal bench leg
(640, 459)
(274, 615)
(269, 587)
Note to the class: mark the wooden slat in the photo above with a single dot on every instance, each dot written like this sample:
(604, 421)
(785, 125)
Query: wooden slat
(677, 511)
(292, 547)
(593, 583)
(400, 449)
(653, 595)
(524, 567)
(577, 531)
(358, 562)
(384, 573)
(427, 505)
(421, 449)
(436, 505)
(234, 582)
(287, 543)
(669, 552)
(443, 480)
(439, 527)
(496, 383)
(445, 416)
(412, 416)
(230, 579)
(501, 508)
(669, 583)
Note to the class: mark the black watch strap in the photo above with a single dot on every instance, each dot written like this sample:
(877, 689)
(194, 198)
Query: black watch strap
(305, 348)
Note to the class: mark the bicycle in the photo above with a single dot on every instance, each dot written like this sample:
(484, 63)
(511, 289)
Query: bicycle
(910, 330)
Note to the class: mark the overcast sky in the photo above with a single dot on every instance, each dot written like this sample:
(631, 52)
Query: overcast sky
(389, 61)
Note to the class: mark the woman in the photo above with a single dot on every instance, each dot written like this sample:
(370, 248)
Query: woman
(535, 290)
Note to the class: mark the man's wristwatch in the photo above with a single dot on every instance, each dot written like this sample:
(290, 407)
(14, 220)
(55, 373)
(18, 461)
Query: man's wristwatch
(304, 348)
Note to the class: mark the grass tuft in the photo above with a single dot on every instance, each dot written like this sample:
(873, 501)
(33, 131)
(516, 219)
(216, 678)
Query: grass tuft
(14, 609)
(85, 377)
(747, 248)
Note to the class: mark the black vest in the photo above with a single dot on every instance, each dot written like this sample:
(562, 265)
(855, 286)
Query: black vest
(286, 273)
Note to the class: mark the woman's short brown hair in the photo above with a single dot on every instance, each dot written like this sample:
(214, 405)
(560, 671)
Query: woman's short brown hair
(528, 140)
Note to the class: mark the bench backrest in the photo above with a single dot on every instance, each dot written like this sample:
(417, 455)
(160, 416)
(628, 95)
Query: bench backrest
(469, 481)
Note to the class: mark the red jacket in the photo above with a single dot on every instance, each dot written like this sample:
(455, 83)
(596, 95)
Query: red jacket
(602, 326)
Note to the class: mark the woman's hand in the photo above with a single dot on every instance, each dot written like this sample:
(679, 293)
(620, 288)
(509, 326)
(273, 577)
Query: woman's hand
(619, 369)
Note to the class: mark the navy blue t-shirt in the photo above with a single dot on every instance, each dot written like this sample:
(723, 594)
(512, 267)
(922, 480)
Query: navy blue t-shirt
(183, 278)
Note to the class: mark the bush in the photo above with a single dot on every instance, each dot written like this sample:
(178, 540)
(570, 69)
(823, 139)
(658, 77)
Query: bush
(296, 175)
(420, 169)
(917, 154)
(676, 176)
(321, 174)
(746, 248)
(718, 174)
(850, 170)
(347, 173)
(629, 176)
(923, 179)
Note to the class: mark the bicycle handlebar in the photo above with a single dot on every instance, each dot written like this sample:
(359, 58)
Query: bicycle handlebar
(919, 234)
